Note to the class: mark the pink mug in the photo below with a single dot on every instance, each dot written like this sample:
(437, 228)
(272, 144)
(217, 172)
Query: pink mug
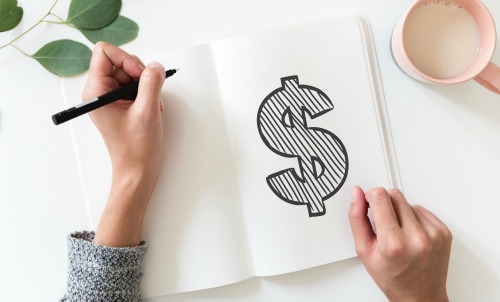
(435, 37)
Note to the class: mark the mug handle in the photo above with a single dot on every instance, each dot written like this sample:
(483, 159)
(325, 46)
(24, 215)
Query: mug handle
(490, 78)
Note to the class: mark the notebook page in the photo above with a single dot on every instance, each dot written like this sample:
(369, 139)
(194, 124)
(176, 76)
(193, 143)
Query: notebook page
(330, 57)
(193, 224)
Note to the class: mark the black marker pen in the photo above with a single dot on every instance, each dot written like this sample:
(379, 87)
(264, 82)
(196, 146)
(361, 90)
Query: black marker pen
(100, 101)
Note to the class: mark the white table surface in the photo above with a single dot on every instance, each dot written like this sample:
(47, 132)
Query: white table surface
(447, 141)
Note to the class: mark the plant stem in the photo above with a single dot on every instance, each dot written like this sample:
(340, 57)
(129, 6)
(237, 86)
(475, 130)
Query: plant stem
(61, 21)
(53, 22)
(29, 29)
(20, 50)
(57, 17)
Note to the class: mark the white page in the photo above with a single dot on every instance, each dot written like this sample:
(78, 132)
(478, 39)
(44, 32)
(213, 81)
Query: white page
(330, 56)
(194, 224)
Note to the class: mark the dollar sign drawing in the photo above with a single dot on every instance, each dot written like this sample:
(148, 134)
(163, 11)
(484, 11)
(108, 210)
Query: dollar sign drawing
(282, 123)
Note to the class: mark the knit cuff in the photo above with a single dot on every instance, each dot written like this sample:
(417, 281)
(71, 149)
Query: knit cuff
(101, 273)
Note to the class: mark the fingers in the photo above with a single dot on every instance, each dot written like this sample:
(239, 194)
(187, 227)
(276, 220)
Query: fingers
(403, 210)
(384, 216)
(360, 224)
(106, 56)
(428, 215)
(150, 85)
(432, 225)
(392, 212)
(139, 61)
(110, 67)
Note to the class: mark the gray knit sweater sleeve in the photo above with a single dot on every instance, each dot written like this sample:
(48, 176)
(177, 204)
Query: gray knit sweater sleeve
(100, 273)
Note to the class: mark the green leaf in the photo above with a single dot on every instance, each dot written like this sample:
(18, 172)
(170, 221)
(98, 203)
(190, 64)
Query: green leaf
(93, 14)
(64, 58)
(10, 14)
(118, 32)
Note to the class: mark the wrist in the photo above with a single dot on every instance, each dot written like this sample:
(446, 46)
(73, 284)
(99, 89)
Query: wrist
(122, 218)
(133, 185)
(442, 297)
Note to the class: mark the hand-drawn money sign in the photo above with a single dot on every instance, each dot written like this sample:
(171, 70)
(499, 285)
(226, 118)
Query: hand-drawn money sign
(282, 123)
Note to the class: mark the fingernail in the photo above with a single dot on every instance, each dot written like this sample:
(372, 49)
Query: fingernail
(156, 65)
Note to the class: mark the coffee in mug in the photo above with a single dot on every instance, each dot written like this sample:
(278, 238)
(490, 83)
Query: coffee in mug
(447, 42)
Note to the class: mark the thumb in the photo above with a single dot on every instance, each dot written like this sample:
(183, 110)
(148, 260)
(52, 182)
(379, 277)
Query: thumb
(360, 224)
(150, 85)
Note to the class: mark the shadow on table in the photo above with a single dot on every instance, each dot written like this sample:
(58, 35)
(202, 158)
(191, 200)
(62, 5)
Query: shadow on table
(475, 97)
(470, 276)
(347, 279)
(314, 284)
(474, 108)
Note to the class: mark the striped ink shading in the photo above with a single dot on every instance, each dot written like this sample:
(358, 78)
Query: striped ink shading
(322, 157)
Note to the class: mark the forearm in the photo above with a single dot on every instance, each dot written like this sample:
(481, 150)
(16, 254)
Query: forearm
(122, 219)
(101, 265)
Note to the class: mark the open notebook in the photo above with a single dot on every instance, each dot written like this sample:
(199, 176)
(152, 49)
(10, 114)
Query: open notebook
(266, 134)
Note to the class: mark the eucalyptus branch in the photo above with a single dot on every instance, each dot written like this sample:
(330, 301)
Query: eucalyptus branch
(96, 20)
(31, 28)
